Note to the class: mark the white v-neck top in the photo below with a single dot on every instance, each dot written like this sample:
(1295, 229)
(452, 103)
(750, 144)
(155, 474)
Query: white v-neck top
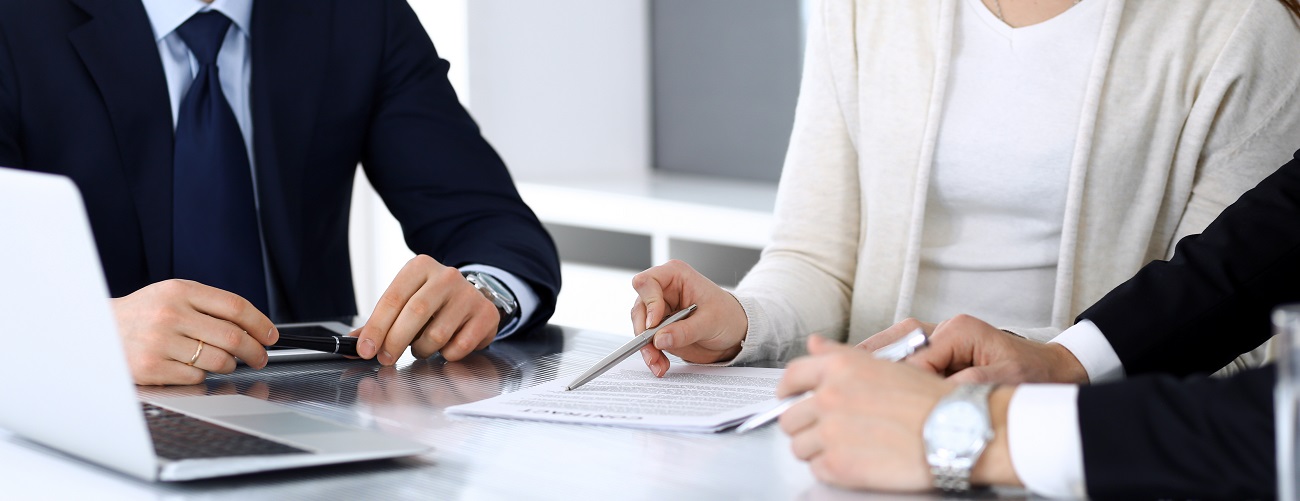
(996, 204)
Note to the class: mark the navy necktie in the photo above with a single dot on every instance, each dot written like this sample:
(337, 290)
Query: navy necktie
(214, 221)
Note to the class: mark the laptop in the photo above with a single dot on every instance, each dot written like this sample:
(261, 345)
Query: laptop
(66, 384)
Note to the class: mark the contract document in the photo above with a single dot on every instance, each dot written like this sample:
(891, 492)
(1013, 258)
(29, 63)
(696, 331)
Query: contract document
(689, 398)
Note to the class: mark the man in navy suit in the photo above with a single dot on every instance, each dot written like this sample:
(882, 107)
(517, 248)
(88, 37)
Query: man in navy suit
(215, 144)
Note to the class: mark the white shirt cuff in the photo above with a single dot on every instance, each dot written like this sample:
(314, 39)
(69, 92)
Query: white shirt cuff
(1090, 346)
(1043, 437)
(524, 295)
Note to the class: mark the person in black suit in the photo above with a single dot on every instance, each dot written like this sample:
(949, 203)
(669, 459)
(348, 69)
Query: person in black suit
(217, 141)
(1151, 435)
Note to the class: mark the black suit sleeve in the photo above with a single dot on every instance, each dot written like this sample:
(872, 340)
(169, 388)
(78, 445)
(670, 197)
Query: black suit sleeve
(1158, 437)
(440, 178)
(10, 151)
(1211, 302)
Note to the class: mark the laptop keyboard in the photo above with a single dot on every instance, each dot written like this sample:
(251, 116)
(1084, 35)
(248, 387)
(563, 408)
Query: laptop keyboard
(177, 436)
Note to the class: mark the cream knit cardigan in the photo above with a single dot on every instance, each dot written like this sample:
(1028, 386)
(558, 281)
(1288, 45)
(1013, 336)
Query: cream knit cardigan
(1189, 104)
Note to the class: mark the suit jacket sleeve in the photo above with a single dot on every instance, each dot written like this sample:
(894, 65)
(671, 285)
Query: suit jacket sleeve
(1158, 437)
(440, 178)
(10, 153)
(1211, 301)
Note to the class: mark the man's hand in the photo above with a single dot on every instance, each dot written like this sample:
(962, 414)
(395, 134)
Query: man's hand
(431, 308)
(712, 333)
(163, 324)
(971, 351)
(862, 428)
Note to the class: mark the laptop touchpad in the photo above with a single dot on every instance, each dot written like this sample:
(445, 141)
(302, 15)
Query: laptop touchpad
(282, 423)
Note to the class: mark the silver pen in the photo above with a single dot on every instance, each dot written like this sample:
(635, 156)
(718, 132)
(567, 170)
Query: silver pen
(893, 352)
(627, 350)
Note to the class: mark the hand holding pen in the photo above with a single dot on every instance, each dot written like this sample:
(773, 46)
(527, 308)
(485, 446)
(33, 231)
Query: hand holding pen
(863, 426)
(712, 334)
(620, 354)
(335, 343)
(893, 352)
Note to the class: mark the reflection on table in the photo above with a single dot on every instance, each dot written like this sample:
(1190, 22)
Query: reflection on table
(472, 457)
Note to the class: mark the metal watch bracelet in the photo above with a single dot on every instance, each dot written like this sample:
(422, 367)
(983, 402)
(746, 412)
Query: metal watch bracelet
(954, 476)
(949, 479)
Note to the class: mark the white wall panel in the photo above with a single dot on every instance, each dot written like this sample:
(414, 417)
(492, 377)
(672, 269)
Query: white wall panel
(561, 87)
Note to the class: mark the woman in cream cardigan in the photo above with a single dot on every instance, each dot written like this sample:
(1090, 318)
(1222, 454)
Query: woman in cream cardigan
(944, 162)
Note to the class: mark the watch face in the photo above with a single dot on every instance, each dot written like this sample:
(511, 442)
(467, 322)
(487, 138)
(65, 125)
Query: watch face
(496, 292)
(956, 429)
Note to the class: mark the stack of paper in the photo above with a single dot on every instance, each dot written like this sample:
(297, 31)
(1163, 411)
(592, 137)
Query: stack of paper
(688, 398)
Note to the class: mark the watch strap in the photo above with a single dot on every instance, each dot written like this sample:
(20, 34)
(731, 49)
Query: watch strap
(947, 478)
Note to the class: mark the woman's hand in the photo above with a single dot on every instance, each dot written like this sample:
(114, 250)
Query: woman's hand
(711, 334)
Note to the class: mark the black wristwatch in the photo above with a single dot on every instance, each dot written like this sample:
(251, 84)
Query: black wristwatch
(496, 292)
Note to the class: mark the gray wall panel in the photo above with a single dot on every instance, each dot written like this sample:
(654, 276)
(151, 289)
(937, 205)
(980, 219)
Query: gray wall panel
(725, 80)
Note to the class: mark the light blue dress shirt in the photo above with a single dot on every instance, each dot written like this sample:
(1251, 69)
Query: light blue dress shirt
(235, 71)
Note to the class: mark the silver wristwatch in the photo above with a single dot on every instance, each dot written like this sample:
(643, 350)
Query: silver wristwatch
(497, 293)
(955, 435)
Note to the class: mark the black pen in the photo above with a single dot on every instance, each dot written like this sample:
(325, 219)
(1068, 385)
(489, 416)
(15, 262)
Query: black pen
(339, 344)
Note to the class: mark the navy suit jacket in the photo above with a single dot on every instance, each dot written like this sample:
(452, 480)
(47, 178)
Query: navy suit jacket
(1156, 436)
(334, 83)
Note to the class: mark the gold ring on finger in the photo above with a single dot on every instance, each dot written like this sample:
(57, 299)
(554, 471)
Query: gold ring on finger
(197, 352)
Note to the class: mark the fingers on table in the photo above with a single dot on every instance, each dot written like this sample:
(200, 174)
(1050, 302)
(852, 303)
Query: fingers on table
(467, 322)
(489, 322)
(807, 444)
(432, 309)
(201, 355)
(428, 320)
(233, 309)
(225, 340)
(173, 372)
(418, 272)
(180, 351)
(799, 422)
